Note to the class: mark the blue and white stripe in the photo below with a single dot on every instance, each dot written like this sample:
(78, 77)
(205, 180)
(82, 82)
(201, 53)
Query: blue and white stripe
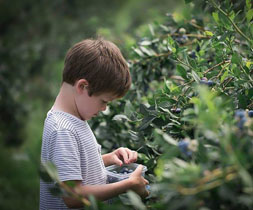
(71, 145)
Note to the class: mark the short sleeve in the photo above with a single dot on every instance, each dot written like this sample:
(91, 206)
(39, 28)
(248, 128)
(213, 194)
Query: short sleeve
(66, 155)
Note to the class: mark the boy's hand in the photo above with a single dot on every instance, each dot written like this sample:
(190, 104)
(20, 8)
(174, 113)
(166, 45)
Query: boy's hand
(124, 155)
(138, 182)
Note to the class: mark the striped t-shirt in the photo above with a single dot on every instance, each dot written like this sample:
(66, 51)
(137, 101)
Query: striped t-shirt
(70, 144)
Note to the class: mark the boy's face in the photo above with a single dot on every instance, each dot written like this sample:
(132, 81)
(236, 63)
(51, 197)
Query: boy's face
(90, 106)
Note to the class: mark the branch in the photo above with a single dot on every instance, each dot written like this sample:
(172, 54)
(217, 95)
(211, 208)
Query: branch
(231, 21)
(191, 35)
(219, 64)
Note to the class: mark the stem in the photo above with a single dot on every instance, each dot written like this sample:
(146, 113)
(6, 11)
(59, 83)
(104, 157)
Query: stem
(222, 70)
(231, 21)
(191, 35)
(185, 64)
(219, 64)
(73, 194)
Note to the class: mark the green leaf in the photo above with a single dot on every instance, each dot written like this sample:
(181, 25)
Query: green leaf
(121, 117)
(208, 33)
(166, 137)
(51, 169)
(224, 76)
(224, 20)
(216, 16)
(94, 205)
(151, 29)
(248, 4)
(148, 52)
(143, 109)
(70, 183)
(145, 43)
(139, 52)
(44, 175)
(136, 200)
(195, 76)
(146, 122)
(129, 109)
(249, 15)
(236, 58)
(181, 71)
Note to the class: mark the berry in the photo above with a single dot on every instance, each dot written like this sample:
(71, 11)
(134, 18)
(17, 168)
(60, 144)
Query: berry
(124, 170)
(183, 146)
(210, 83)
(177, 110)
(198, 48)
(181, 40)
(240, 113)
(148, 187)
(192, 55)
(112, 179)
(203, 82)
(250, 113)
(241, 122)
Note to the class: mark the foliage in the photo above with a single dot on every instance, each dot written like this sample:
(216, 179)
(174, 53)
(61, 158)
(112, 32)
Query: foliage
(192, 79)
(34, 38)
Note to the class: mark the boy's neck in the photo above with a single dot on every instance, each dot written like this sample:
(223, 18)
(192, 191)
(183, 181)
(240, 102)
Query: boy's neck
(65, 101)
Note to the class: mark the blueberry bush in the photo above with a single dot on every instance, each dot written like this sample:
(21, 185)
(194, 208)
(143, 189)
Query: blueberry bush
(189, 111)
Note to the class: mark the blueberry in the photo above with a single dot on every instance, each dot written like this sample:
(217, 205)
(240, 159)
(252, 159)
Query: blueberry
(198, 48)
(192, 55)
(241, 122)
(210, 83)
(148, 187)
(181, 40)
(184, 38)
(240, 113)
(124, 169)
(112, 179)
(183, 146)
(177, 110)
(250, 113)
(130, 170)
(203, 82)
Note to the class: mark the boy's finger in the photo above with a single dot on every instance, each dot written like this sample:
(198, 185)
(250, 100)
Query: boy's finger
(138, 170)
(146, 181)
(132, 156)
(124, 154)
(118, 162)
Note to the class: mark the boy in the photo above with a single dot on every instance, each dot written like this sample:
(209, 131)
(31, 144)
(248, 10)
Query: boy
(94, 74)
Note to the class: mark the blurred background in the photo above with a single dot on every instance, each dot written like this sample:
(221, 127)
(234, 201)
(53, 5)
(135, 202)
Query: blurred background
(34, 38)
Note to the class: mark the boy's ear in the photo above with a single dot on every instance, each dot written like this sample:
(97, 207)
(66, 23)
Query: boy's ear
(81, 85)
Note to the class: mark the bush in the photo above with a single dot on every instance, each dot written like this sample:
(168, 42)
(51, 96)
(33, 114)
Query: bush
(188, 110)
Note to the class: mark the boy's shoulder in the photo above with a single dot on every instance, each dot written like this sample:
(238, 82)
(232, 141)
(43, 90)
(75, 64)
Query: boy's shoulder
(59, 120)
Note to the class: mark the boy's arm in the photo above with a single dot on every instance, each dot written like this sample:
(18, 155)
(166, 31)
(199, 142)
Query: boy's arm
(104, 192)
(120, 156)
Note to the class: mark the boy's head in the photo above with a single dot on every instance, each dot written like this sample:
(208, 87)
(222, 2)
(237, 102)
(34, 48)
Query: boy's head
(101, 64)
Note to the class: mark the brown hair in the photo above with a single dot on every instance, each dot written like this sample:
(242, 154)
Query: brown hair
(101, 63)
